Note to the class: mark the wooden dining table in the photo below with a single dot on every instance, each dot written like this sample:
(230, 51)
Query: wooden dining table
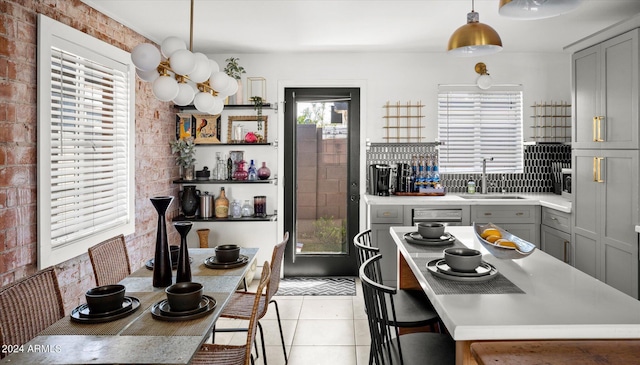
(534, 298)
(138, 338)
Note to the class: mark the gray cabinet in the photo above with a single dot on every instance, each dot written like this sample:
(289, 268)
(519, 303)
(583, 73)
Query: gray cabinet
(520, 220)
(605, 94)
(555, 234)
(605, 187)
(381, 218)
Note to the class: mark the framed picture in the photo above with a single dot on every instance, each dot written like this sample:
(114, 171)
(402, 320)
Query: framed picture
(240, 126)
(184, 126)
(207, 129)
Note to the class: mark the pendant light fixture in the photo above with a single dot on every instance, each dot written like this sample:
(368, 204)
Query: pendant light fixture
(474, 38)
(183, 76)
(536, 9)
(484, 80)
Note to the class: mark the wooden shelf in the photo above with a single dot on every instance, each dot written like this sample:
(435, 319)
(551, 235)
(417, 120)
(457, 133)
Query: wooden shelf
(268, 218)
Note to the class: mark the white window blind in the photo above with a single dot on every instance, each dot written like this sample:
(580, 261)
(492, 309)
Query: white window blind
(85, 143)
(473, 125)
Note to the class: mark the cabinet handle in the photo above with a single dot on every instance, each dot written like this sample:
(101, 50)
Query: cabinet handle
(487, 213)
(554, 218)
(567, 245)
(520, 213)
(597, 169)
(597, 129)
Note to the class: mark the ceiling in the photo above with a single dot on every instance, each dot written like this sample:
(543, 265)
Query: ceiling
(291, 26)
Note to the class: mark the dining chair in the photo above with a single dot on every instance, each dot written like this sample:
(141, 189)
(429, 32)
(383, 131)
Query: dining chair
(28, 306)
(388, 346)
(239, 306)
(216, 354)
(110, 261)
(413, 308)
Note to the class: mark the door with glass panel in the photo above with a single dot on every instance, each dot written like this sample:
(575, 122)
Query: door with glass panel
(321, 180)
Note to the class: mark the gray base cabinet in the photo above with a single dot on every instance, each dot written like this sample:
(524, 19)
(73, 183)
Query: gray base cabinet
(381, 218)
(520, 220)
(555, 234)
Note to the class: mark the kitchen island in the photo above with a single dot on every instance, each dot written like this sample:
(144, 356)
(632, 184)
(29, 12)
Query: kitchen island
(551, 300)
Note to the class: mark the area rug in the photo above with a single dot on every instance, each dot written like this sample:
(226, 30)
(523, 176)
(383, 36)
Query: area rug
(317, 286)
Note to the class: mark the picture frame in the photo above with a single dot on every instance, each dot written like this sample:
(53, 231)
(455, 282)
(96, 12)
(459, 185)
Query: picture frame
(207, 128)
(240, 125)
(184, 126)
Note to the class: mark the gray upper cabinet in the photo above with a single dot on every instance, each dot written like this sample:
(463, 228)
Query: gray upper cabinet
(605, 94)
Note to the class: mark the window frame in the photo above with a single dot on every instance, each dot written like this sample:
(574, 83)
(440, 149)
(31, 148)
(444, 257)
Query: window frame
(52, 33)
(501, 163)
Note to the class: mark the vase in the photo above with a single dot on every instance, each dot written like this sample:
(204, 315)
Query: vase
(183, 271)
(203, 236)
(188, 173)
(189, 200)
(162, 258)
(239, 98)
(264, 172)
(240, 174)
(221, 205)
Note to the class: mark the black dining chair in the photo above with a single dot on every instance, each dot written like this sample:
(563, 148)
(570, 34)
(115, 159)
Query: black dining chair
(388, 346)
(413, 308)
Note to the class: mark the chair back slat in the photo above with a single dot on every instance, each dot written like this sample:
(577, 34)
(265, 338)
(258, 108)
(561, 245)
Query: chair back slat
(28, 306)
(110, 261)
(362, 242)
(253, 321)
(381, 311)
(276, 265)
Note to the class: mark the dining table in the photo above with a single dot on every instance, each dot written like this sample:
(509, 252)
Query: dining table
(536, 297)
(140, 337)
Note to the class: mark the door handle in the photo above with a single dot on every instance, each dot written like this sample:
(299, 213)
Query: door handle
(597, 129)
(597, 169)
(567, 245)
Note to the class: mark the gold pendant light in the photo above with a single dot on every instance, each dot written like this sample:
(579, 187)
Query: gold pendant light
(474, 38)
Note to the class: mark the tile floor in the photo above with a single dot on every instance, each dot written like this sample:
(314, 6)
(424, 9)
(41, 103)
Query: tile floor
(318, 330)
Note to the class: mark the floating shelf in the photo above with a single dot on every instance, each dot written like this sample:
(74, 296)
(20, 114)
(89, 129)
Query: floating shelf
(227, 106)
(235, 144)
(268, 218)
(210, 181)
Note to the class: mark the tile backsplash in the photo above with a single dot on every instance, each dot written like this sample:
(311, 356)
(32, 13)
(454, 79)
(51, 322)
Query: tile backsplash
(536, 177)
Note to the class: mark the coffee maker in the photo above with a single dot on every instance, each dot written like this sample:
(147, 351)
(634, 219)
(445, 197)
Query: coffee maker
(379, 177)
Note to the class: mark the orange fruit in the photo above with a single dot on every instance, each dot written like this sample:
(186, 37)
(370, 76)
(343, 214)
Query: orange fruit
(492, 238)
(505, 243)
(490, 232)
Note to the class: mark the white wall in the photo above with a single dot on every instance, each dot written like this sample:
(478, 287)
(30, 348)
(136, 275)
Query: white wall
(413, 77)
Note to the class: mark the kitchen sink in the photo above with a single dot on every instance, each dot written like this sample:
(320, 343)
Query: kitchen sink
(501, 197)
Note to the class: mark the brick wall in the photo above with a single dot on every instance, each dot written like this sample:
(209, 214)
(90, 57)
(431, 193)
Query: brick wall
(155, 167)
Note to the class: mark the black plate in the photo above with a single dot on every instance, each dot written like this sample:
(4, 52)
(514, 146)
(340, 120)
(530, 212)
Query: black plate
(416, 238)
(126, 305)
(77, 317)
(483, 269)
(165, 309)
(211, 263)
(433, 268)
(174, 266)
(157, 314)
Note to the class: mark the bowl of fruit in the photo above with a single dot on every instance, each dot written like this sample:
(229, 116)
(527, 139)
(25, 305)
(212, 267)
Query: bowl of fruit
(501, 243)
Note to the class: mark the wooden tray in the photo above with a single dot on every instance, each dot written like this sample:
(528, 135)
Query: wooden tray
(419, 194)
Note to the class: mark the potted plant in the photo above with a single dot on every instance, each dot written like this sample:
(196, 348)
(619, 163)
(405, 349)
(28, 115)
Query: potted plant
(185, 150)
(235, 71)
(258, 103)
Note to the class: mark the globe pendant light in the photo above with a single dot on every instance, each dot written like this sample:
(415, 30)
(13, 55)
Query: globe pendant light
(474, 38)
(536, 9)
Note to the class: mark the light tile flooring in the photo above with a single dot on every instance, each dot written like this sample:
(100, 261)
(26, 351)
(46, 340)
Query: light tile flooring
(319, 330)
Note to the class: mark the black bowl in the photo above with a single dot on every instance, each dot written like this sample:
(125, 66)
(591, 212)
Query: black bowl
(462, 259)
(227, 253)
(184, 296)
(105, 298)
(431, 230)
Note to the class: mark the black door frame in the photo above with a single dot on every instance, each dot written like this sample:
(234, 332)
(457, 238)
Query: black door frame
(321, 264)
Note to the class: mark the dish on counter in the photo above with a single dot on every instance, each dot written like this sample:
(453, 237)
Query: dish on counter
(81, 313)
(435, 268)
(523, 248)
(416, 238)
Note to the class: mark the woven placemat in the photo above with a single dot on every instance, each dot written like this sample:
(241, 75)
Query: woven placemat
(498, 285)
(146, 325)
(418, 248)
(66, 326)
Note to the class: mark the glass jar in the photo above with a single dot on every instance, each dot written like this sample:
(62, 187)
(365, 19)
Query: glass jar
(236, 209)
(264, 172)
(247, 209)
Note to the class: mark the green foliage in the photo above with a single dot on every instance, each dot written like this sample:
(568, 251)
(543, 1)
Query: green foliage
(233, 69)
(312, 115)
(330, 231)
(186, 150)
(258, 102)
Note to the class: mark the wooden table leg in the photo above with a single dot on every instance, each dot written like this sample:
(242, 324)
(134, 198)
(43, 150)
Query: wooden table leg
(463, 353)
(406, 278)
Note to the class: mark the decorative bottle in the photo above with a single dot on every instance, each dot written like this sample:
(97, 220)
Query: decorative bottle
(252, 174)
(247, 209)
(240, 174)
(236, 209)
(229, 168)
(222, 205)
(264, 173)
(221, 168)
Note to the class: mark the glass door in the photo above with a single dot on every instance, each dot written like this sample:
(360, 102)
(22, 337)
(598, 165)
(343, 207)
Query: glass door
(321, 180)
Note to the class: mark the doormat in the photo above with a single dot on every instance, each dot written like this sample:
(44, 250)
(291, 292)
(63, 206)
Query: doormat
(316, 286)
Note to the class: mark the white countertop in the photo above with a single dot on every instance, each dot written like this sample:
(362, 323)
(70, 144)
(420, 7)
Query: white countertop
(549, 200)
(559, 301)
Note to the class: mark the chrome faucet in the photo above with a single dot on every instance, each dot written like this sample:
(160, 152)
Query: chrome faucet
(484, 174)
